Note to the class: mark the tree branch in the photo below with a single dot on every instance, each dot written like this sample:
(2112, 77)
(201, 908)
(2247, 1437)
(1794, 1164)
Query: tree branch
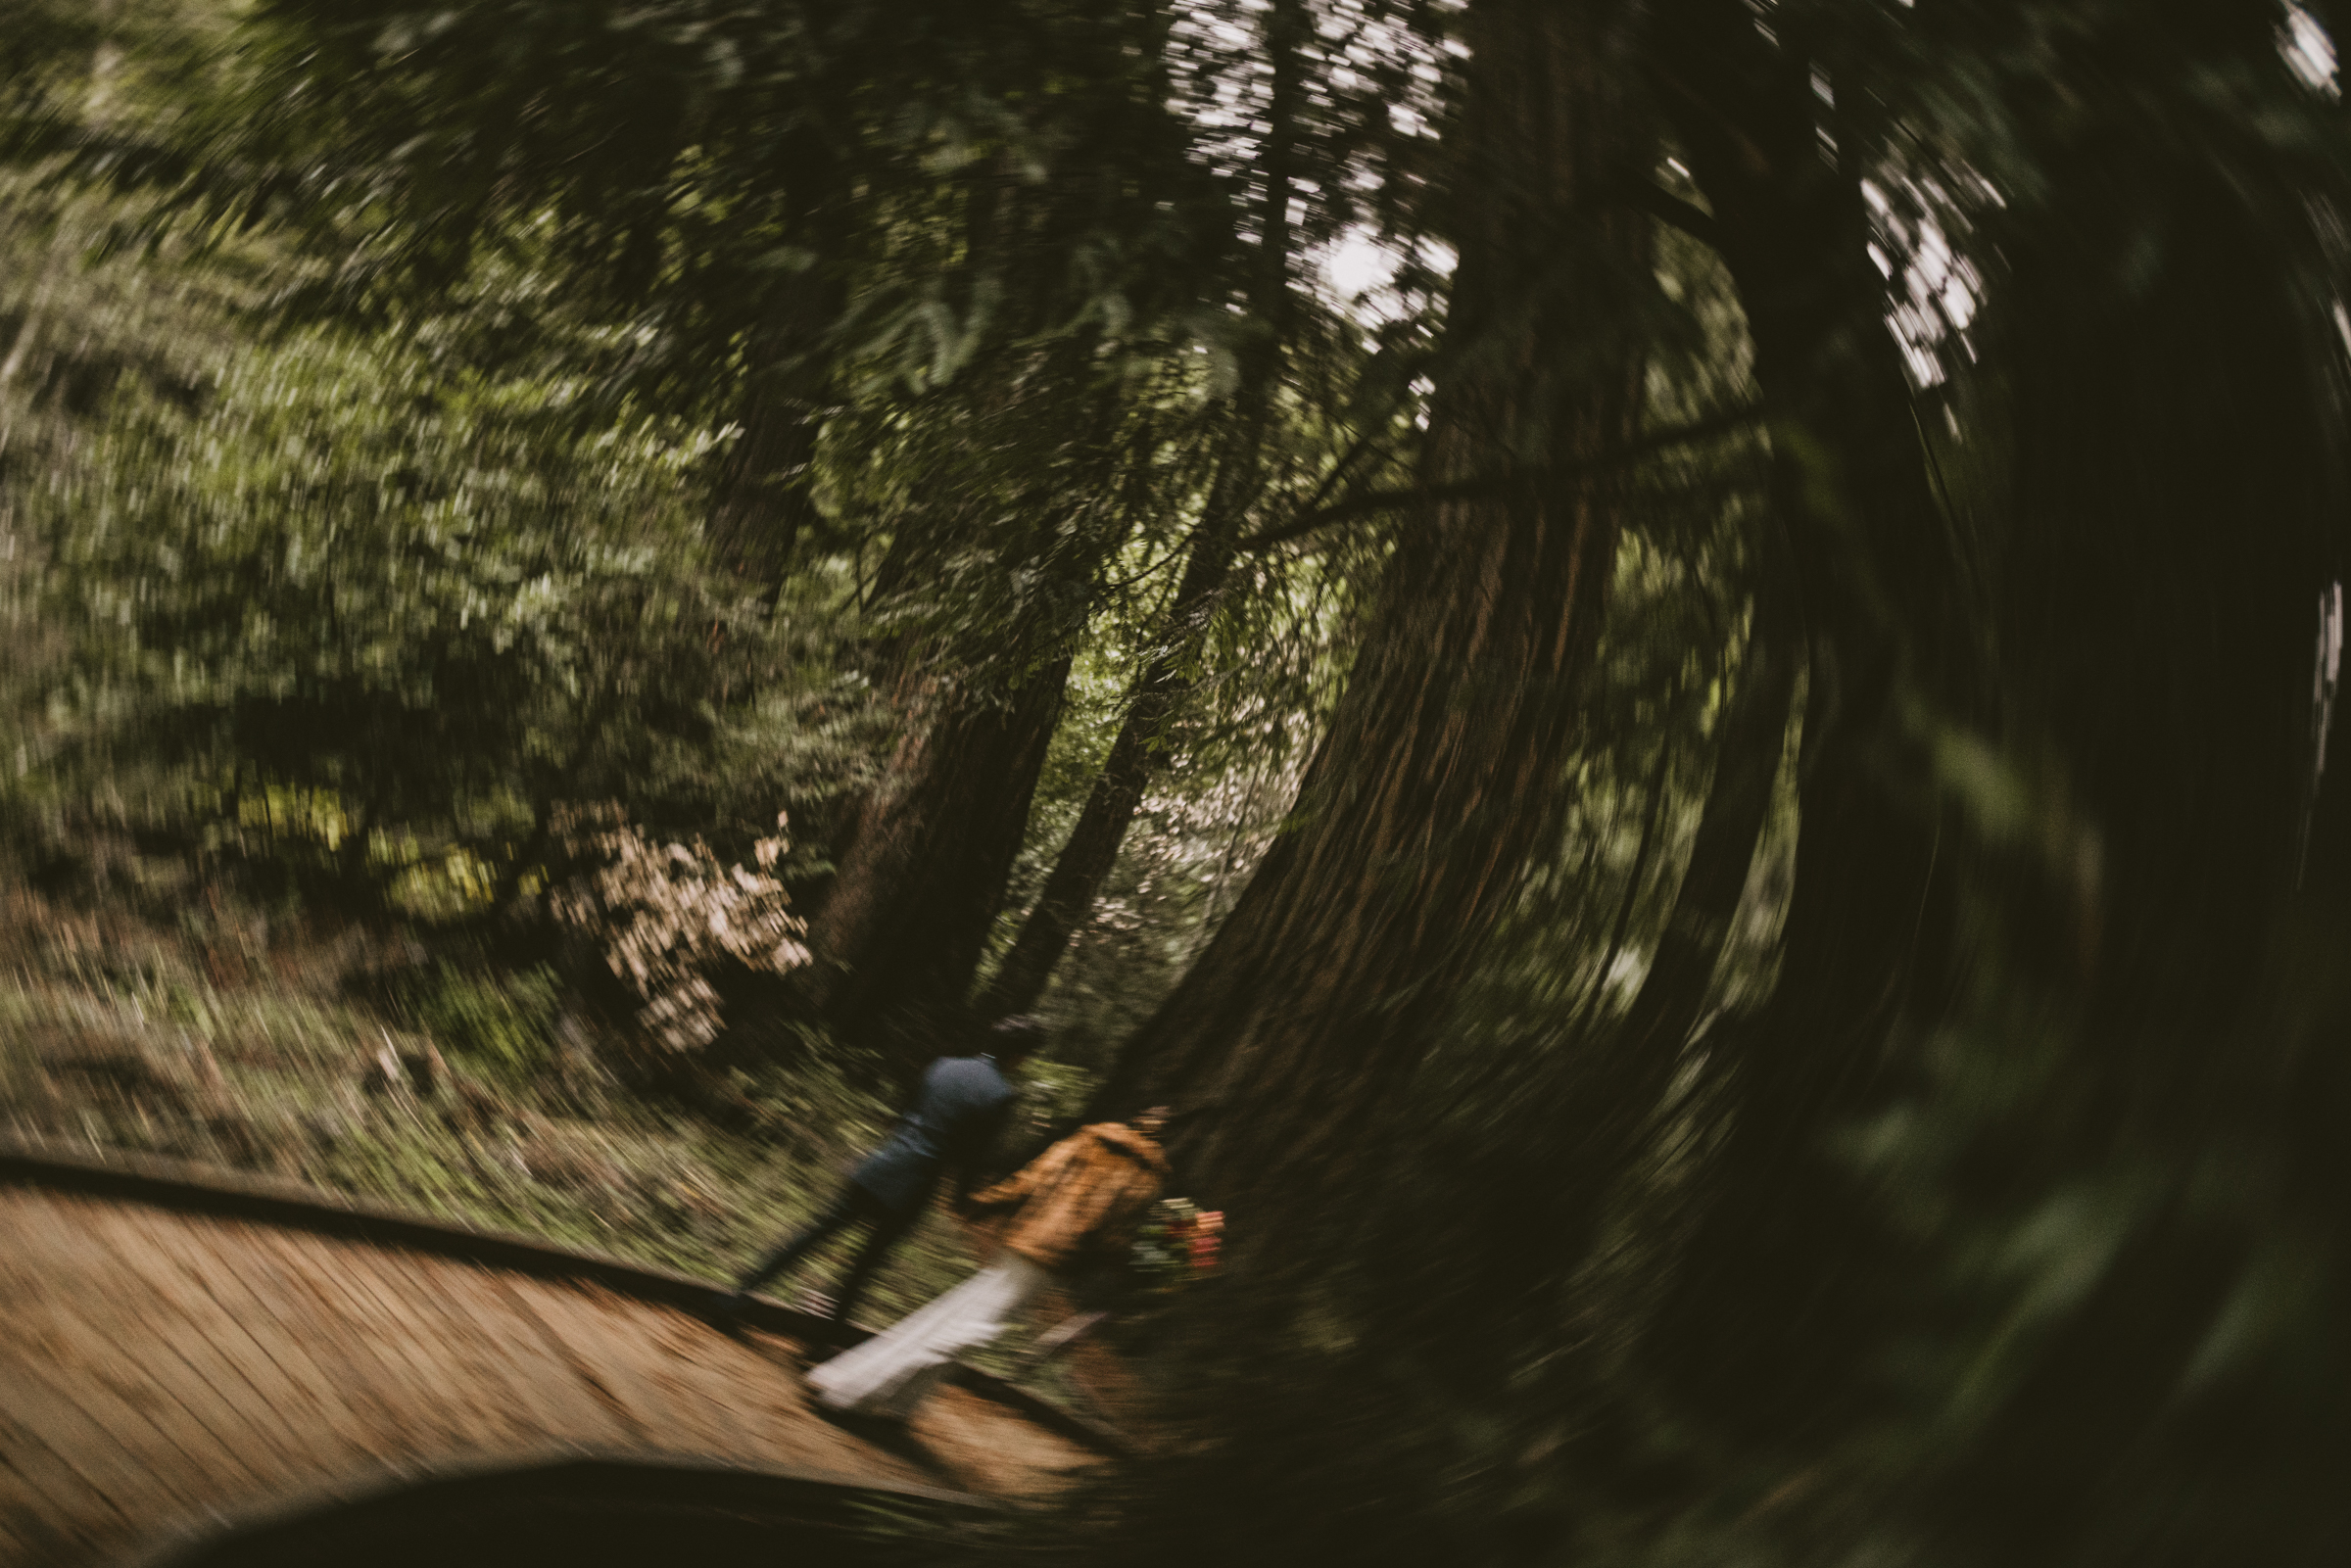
(1675, 212)
(1380, 500)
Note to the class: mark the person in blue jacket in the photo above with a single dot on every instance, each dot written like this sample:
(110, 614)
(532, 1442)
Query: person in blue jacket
(957, 1115)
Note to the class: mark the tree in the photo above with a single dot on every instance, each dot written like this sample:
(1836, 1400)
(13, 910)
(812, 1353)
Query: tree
(723, 184)
(1875, 565)
(1437, 778)
(925, 855)
(2170, 973)
(1160, 686)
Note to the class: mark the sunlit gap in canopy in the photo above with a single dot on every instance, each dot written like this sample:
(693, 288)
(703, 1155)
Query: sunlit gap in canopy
(2309, 52)
(1937, 290)
(1222, 75)
(1361, 59)
(1223, 85)
(2329, 673)
(2325, 679)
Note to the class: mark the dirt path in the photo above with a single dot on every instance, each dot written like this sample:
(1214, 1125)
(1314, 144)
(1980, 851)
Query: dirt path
(160, 1365)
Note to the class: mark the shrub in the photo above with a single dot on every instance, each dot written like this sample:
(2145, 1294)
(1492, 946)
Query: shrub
(666, 916)
(505, 1027)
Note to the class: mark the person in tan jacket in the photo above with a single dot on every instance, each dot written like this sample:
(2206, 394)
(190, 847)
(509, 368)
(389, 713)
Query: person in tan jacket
(1089, 1188)
(1082, 1196)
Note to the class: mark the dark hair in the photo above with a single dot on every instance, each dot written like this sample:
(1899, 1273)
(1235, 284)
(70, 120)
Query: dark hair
(1014, 1037)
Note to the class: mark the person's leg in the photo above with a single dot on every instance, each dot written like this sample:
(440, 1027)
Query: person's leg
(894, 1371)
(846, 1209)
(889, 1229)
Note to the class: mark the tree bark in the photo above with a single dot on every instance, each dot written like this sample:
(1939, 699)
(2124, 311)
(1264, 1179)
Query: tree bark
(923, 859)
(1629, 898)
(1749, 743)
(925, 862)
(1867, 929)
(1440, 774)
(763, 501)
(1614, 1087)
(2179, 489)
(763, 486)
(1093, 845)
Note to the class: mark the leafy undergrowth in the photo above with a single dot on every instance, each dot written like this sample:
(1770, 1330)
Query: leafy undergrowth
(478, 1100)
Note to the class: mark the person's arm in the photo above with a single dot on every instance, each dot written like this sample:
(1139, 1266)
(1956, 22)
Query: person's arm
(989, 1132)
(912, 1101)
(1026, 1180)
(1124, 1215)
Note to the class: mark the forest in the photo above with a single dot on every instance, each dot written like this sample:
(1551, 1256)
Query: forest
(1664, 665)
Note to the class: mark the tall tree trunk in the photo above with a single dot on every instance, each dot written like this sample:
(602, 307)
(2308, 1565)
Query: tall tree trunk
(1628, 898)
(1092, 847)
(923, 859)
(763, 486)
(2180, 486)
(1749, 741)
(1874, 565)
(925, 862)
(1439, 776)
(1612, 1087)
(763, 500)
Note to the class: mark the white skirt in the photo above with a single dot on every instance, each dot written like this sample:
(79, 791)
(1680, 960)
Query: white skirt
(896, 1370)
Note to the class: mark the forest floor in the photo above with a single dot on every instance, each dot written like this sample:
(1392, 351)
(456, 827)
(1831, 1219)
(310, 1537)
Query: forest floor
(242, 1044)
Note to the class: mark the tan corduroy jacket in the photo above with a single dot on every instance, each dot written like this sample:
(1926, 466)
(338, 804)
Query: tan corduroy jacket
(1090, 1187)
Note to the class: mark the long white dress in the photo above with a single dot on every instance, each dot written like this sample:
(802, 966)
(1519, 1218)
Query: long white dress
(895, 1370)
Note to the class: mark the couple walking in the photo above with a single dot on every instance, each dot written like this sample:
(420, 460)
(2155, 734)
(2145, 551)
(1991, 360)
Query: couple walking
(1050, 1217)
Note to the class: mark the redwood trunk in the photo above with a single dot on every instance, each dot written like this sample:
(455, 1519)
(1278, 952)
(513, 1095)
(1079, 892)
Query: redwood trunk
(1628, 898)
(1749, 743)
(1441, 774)
(1615, 1088)
(1093, 845)
(1867, 929)
(763, 489)
(923, 857)
(922, 870)
(2180, 485)
(1093, 848)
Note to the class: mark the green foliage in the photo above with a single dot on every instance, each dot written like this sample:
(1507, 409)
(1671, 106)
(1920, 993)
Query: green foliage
(503, 1025)
(340, 579)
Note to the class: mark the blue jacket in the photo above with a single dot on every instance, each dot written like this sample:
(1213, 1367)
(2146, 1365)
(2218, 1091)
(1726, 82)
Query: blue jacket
(955, 1118)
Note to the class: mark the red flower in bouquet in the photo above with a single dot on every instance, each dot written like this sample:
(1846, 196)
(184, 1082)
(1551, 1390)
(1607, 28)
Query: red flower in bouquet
(1176, 1244)
(1207, 1237)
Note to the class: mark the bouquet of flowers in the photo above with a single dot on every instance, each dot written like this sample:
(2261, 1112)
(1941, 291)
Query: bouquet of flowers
(1176, 1244)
